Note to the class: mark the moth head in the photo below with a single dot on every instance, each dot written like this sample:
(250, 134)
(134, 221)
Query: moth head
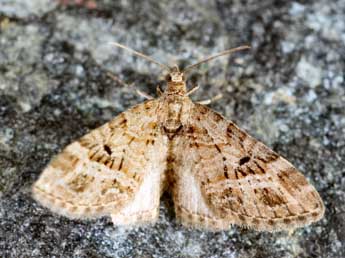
(175, 76)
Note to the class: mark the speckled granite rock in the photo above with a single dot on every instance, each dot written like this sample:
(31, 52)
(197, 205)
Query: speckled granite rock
(287, 91)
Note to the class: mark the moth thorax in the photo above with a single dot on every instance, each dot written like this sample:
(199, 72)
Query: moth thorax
(177, 88)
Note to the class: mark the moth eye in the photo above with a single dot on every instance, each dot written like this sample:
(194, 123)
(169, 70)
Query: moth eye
(168, 77)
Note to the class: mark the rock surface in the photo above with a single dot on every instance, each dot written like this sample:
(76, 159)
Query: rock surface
(287, 91)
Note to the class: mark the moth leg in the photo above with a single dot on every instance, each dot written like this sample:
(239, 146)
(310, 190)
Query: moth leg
(159, 91)
(209, 101)
(118, 80)
(139, 92)
(192, 90)
(143, 94)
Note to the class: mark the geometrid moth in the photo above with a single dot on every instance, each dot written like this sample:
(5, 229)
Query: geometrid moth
(217, 173)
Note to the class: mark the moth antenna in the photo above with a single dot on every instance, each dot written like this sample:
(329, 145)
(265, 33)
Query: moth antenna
(165, 67)
(223, 53)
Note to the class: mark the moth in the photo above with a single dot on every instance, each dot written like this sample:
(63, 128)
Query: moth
(218, 174)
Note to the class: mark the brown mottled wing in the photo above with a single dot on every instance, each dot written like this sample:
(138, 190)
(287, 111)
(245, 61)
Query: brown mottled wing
(104, 172)
(224, 177)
